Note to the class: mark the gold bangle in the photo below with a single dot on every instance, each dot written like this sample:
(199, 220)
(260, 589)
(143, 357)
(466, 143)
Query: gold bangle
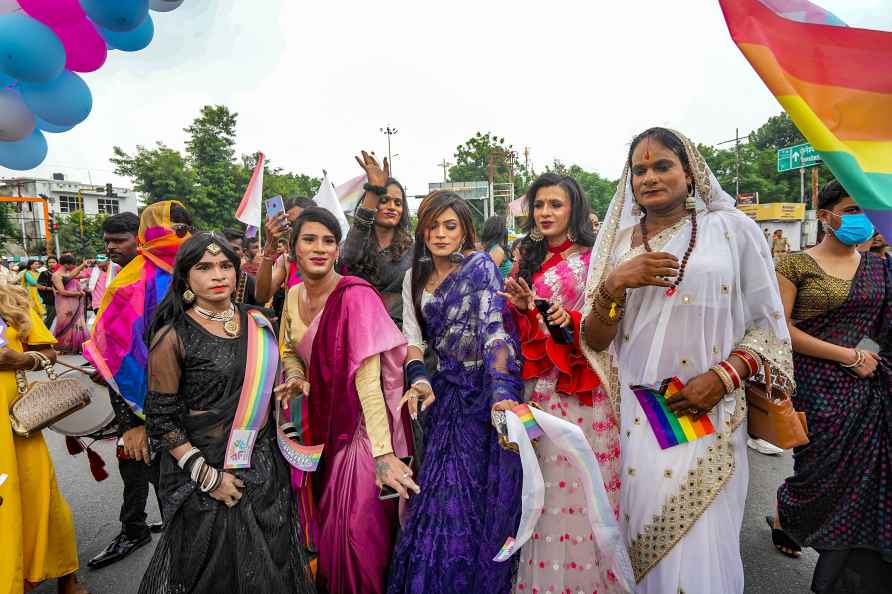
(724, 376)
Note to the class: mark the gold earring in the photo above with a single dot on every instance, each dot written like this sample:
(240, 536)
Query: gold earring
(188, 296)
(571, 237)
(636, 209)
(536, 235)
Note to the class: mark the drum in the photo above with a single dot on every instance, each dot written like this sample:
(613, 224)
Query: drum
(97, 419)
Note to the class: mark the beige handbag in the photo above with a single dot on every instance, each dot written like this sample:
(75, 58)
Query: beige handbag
(44, 402)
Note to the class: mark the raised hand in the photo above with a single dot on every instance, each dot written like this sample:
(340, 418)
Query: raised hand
(377, 174)
(519, 293)
(651, 269)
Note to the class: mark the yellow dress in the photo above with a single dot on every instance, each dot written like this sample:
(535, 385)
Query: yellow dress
(37, 538)
(29, 281)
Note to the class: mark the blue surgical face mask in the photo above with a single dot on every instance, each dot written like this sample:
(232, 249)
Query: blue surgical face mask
(854, 229)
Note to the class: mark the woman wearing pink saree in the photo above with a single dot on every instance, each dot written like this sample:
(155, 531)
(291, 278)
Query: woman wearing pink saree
(344, 355)
(70, 327)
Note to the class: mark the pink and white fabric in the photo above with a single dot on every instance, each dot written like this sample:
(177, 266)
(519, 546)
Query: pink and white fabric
(561, 556)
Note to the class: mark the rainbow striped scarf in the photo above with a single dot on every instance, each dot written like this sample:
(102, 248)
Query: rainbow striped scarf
(834, 81)
(117, 347)
(262, 365)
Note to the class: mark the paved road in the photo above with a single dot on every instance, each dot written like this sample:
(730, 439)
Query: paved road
(96, 505)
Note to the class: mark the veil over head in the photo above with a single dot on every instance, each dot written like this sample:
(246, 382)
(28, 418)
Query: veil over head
(709, 195)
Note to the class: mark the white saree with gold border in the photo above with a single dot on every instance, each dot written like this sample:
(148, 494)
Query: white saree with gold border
(681, 508)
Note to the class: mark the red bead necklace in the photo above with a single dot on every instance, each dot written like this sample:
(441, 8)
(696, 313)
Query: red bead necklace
(684, 261)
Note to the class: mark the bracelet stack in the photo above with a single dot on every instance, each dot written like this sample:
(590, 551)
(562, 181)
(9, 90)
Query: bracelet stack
(729, 376)
(41, 361)
(379, 190)
(749, 357)
(859, 360)
(616, 309)
(202, 474)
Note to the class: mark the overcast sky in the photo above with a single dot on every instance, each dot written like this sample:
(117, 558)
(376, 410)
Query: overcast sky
(313, 82)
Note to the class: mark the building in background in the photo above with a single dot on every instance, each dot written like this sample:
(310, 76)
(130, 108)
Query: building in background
(788, 217)
(64, 197)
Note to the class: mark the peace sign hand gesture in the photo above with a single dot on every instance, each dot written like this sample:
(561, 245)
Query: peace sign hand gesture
(377, 174)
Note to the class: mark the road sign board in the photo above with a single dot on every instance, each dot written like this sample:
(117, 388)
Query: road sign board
(797, 157)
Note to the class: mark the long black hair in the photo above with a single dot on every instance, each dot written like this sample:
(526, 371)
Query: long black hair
(533, 253)
(431, 207)
(495, 233)
(173, 307)
(366, 265)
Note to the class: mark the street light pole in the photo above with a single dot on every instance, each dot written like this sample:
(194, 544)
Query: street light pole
(389, 131)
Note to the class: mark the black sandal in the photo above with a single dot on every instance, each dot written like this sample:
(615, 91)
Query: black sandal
(782, 541)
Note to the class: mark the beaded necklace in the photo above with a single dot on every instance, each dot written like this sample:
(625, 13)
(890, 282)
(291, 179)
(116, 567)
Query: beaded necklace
(684, 261)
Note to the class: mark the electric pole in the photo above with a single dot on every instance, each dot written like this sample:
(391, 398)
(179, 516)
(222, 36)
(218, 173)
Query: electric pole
(444, 164)
(388, 131)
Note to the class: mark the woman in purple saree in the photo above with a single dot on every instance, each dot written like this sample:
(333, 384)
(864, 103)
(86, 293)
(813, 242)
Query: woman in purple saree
(342, 350)
(470, 487)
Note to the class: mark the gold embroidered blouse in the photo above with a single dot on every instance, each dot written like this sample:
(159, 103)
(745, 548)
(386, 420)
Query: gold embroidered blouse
(817, 292)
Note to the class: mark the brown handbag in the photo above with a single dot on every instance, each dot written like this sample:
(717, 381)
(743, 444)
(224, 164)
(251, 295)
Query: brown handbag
(771, 415)
(44, 402)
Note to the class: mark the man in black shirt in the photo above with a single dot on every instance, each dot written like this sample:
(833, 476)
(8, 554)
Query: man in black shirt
(45, 288)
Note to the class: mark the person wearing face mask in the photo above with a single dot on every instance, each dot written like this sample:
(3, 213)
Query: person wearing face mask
(378, 247)
(837, 500)
(469, 502)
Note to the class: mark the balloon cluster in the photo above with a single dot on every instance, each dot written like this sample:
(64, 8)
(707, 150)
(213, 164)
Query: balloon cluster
(43, 44)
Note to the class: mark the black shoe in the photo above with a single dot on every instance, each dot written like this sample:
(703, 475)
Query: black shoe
(156, 527)
(119, 548)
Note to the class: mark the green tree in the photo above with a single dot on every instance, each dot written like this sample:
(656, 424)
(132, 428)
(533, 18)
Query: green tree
(211, 152)
(7, 229)
(778, 132)
(160, 173)
(84, 240)
(599, 190)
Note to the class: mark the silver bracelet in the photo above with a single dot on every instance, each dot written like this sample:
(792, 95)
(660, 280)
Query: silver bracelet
(185, 459)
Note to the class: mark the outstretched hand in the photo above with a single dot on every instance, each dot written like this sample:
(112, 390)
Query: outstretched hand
(377, 174)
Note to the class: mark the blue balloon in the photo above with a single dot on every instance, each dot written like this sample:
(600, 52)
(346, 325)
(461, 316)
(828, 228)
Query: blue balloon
(117, 15)
(51, 128)
(24, 154)
(130, 41)
(5, 80)
(29, 50)
(65, 101)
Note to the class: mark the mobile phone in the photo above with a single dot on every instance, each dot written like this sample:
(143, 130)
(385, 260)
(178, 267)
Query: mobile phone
(274, 206)
(559, 334)
(388, 492)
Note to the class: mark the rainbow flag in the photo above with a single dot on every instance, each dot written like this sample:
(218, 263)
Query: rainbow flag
(528, 420)
(669, 429)
(249, 211)
(117, 347)
(350, 192)
(834, 81)
(262, 366)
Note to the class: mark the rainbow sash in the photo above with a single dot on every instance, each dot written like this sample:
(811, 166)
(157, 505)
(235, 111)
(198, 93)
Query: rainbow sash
(669, 429)
(302, 457)
(529, 421)
(253, 405)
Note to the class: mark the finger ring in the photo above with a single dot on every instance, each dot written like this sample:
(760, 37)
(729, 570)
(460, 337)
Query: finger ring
(406, 475)
(693, 411)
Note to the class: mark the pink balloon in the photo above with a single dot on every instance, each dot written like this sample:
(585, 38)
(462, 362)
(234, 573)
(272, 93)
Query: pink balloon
(85, 49)
(53, 12)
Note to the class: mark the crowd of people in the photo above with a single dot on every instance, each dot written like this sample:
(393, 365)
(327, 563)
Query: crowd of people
(387, 352)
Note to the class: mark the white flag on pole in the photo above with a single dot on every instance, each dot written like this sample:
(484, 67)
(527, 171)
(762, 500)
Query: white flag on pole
(249, 210)
(327, 198)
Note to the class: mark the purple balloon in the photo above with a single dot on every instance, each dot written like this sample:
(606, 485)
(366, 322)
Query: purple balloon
(53, 12)
(85, 49)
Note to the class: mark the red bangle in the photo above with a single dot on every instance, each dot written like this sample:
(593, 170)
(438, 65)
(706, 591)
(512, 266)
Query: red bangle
(747, 358)
(735, 377)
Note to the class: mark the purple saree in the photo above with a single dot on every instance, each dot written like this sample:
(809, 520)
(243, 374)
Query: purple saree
(470, 487)
(355, 529)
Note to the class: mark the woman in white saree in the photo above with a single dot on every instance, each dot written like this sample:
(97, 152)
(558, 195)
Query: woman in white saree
(679, 280)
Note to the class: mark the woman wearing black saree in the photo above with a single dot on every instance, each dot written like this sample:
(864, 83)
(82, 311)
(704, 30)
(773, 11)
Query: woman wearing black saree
(225, 531)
